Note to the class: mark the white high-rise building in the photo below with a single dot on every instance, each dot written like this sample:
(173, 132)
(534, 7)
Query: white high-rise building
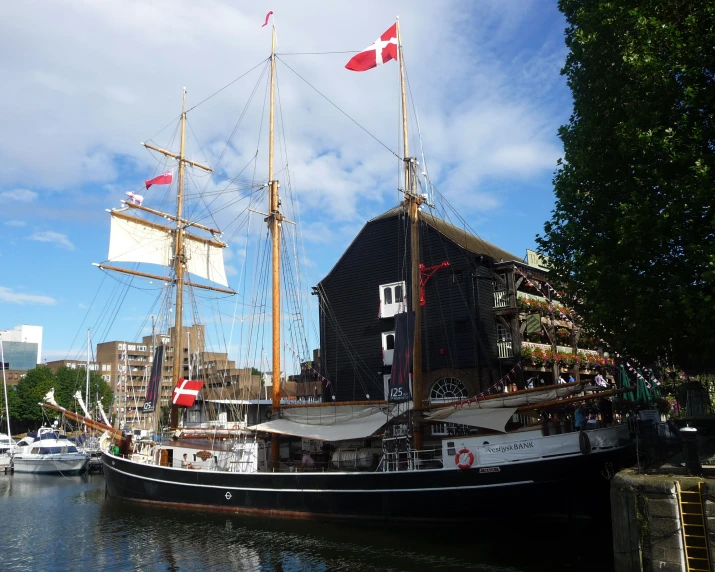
(28, 334)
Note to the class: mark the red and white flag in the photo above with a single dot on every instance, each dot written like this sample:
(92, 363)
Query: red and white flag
(186, 391)
(383, 50)
(163, 179)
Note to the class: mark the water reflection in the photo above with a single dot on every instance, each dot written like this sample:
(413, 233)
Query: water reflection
(73, 525)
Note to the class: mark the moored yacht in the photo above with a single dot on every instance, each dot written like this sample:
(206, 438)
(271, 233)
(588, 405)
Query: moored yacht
(47, 452)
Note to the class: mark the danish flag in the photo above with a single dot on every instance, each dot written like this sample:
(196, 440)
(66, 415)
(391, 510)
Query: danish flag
(383, 50)
(163, 179)
(186, 391)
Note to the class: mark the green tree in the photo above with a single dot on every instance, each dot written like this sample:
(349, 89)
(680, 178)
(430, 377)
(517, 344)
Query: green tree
(31, 390)
(68, 381)
(13, 402)
(633, 231)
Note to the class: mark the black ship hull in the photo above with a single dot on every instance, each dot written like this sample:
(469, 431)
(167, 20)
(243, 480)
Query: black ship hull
(573, 484)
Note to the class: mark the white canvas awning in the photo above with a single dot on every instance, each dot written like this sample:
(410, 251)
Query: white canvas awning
(334, 422)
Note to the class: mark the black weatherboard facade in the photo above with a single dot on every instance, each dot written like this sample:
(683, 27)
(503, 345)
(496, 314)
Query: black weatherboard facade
(459, 323)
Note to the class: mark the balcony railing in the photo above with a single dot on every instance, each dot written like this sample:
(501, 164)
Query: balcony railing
(501, 299)
(505, 349)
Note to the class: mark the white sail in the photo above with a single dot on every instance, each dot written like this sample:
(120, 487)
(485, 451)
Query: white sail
(205, 259)
(132, 240)
(136, 240)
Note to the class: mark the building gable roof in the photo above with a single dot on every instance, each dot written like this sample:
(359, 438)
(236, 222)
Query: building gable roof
(459, 236)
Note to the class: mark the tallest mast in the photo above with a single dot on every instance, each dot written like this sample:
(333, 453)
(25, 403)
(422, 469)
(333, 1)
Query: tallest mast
(274, 224)
(412, 206)
(179, 269)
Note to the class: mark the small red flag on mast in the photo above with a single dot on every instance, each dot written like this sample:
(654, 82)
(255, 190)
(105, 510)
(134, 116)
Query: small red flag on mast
(381, 51)
(267, 16)
(163, 179)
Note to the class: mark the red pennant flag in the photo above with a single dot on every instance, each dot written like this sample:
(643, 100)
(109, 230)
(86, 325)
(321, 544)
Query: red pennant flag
(186, 391)
(163, 179)
(383, 50)
(267, 16)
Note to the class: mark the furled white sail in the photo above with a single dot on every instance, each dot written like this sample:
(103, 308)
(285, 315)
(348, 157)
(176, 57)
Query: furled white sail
(333, 423)
(135, 240)
(132, 240)
(493, 418)
(507, 400)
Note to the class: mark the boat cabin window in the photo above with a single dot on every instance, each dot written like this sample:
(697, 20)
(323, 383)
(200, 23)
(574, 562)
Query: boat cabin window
(390, 342)
(398, 292)
(387, 295)
(35, 450)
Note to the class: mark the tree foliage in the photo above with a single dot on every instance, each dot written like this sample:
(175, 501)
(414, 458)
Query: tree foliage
(23, 400)
(633, 231)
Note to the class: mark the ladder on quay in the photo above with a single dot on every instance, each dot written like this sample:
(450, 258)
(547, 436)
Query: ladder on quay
(693, 525)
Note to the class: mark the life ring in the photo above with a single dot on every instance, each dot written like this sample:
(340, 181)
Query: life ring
(584, 443)
(464, 462)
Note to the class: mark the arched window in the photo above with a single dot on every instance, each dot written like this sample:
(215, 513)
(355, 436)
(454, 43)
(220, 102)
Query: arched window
(398, 293)
(388, 295)
(390, 342)
(447, 389)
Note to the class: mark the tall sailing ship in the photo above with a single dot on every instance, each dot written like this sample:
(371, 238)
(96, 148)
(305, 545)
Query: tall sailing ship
(377, 463)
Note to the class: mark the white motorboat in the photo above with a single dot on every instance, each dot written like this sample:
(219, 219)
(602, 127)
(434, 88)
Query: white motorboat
(47, 452)
(7, 448)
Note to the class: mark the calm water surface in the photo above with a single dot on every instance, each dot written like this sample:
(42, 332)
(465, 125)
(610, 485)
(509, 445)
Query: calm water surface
(60, 523)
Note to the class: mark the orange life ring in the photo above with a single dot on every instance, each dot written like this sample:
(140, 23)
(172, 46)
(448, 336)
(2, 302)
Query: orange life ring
(464, 464)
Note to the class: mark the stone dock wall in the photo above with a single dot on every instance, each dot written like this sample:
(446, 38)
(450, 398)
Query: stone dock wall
(647, 527)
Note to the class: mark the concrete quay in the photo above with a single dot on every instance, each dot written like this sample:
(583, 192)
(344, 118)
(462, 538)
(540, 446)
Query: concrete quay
(648, 522)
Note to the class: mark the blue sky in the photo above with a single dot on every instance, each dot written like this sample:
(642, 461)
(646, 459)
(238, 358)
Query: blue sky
(85, 82)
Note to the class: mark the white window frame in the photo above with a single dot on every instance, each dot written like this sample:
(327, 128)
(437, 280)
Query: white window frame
(396, 306)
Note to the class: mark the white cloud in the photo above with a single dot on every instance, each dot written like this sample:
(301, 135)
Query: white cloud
(12, 297)
(15, 223)
(19, 195)
(475, 122)
(57, 238)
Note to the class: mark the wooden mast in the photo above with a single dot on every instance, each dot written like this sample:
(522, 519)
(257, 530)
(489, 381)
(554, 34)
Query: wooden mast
(274, 224)
(179, 269)
(179, 259)
(412, 206)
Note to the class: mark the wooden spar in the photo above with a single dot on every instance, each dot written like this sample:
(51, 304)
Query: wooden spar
(163, 278)
(212, 288)
(91, 423)
(412, 206)
(568, 400)
(179, 271)
(274, 224)
(171, 217)
(495, 396)
(333, 404)
(180, 157)
(168, 229)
